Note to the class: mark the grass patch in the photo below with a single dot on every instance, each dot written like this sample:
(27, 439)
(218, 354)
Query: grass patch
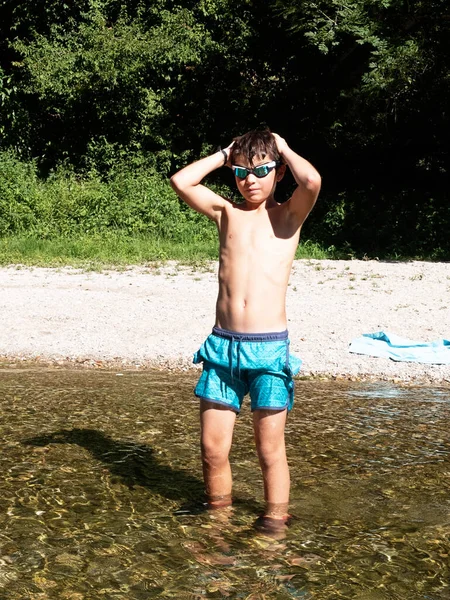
(115, 249)
(100, 251)
(312, 250)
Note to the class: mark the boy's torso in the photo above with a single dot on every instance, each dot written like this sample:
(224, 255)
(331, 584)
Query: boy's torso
(257, 248)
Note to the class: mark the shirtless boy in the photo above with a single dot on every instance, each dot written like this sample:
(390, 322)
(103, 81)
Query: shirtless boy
(248, 350)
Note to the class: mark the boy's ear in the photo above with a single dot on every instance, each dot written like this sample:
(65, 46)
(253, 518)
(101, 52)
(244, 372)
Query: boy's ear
(281, 170)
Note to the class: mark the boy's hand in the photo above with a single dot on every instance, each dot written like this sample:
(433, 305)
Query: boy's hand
(228, 151)
(281, 143)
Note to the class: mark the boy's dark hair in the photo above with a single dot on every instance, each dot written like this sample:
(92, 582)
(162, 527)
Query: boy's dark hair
(258, 143)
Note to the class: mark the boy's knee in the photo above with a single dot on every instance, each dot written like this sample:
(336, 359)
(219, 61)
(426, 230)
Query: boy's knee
(271, 453)
(213, 453)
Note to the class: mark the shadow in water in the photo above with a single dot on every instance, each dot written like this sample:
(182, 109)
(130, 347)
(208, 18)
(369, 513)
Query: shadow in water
(134, 464)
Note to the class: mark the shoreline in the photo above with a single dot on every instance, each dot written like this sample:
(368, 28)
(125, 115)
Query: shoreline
(156, 317)
(21, 363)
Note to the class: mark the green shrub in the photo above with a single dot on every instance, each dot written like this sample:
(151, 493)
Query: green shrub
(133, 203)
(20, 194)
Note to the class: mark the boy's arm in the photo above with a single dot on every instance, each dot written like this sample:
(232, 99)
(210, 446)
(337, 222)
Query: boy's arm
(307, 178)
(187, 184)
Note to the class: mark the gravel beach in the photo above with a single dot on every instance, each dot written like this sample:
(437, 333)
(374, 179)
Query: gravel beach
(157, 316)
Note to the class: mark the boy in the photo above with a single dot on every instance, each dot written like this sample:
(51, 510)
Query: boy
(248, 350)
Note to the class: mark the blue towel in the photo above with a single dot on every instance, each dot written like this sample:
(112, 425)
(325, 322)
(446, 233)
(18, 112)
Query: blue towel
(389, 345)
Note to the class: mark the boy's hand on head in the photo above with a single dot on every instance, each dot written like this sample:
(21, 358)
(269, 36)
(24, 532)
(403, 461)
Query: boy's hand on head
(281, 144)
(228, 151)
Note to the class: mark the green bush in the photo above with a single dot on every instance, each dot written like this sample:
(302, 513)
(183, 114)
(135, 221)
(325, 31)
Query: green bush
(20, 193)
(134, 203)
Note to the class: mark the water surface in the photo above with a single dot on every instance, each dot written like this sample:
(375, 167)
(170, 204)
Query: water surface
(101, 482)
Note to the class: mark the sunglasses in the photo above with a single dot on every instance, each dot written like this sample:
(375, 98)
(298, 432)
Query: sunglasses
(261, 171)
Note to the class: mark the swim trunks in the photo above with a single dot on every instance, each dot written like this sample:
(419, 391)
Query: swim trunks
(235, 364)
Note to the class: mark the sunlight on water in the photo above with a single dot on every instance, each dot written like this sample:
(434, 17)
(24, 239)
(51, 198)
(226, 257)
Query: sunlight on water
(101, 489)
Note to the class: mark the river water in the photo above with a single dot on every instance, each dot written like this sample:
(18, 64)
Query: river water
(101, 487)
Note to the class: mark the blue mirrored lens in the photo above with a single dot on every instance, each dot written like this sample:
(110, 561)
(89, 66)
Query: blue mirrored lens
(262, 171)
(240, 172)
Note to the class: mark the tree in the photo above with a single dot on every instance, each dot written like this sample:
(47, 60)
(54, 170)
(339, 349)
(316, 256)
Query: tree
(360, 87)
(385, 97)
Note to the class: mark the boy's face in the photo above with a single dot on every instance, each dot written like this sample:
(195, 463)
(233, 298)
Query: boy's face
(256, 190)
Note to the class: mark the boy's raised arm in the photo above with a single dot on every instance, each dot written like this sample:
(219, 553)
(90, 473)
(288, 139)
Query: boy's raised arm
(307, 178)
(187, 184)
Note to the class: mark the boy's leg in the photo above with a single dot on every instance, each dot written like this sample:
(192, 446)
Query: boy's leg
(270, 444)
(217, 424)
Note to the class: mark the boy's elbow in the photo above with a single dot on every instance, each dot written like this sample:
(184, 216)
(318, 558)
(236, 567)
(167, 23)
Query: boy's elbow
(314, 182)
(174, 182)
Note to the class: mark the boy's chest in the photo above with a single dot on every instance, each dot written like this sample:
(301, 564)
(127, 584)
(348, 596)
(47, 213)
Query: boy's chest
(258, 231)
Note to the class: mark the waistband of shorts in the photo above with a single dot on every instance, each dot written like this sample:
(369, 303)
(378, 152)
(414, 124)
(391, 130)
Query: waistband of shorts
(270, 336)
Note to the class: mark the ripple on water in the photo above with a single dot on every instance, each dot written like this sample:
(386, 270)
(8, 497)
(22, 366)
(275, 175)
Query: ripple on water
(101, 485)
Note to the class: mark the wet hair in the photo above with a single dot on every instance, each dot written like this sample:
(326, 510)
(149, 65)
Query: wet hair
(255, 144)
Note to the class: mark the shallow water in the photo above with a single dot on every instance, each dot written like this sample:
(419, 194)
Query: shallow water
(101, 476)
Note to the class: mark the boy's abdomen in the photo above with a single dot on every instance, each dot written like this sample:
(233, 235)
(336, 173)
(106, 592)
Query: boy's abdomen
(251, 315)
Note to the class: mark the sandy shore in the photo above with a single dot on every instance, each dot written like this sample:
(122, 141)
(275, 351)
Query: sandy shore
(159, 316)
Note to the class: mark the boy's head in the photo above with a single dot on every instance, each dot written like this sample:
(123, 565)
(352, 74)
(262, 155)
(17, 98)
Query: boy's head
(257, 166)
(258, 144)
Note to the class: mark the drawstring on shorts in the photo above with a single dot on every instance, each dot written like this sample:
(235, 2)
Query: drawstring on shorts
(236, 339)
(238, 356)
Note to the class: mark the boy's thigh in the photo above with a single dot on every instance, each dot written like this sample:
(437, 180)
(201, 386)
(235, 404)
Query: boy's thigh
(271, 391)
(218, 385)
(269, 426)
(217, 425)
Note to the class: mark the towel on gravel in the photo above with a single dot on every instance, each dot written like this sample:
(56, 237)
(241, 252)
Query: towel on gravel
(389, 345)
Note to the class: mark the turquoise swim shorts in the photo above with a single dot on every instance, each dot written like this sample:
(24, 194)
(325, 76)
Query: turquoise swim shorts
(235, 364)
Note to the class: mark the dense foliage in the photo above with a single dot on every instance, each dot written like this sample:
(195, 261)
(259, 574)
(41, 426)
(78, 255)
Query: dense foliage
(66, 205)
(99, 88)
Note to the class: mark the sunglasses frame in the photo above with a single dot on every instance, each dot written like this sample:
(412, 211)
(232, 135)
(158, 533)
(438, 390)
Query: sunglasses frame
(273, 164)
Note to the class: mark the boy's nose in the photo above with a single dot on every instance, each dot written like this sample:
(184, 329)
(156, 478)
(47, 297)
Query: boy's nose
(251, 177)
